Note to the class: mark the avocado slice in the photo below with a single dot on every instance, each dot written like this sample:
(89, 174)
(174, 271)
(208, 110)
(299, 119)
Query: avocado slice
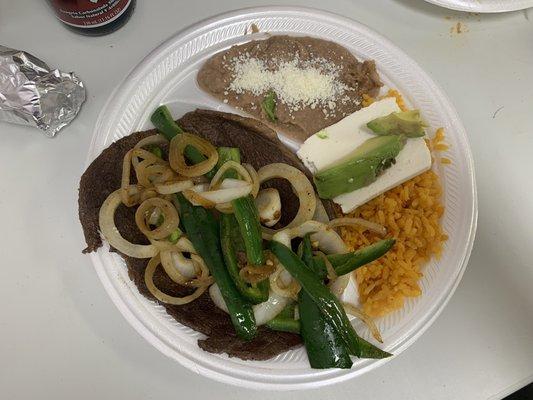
(360, 168)
(408, 123)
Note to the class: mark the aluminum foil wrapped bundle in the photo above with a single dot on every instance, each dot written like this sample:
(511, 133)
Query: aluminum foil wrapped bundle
(31, 93)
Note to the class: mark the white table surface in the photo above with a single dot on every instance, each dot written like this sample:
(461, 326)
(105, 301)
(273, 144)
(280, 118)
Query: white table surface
(62, 338)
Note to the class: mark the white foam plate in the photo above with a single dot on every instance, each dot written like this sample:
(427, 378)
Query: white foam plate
(167, 75)
(484, 6)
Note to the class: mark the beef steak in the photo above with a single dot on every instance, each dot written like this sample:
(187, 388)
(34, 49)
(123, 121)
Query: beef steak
(259, 146)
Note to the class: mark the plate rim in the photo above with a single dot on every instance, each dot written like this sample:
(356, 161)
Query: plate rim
(485, 8)
(132, 77)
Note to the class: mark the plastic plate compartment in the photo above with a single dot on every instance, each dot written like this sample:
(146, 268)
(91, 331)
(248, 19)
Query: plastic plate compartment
(167, 75)
(484, 6)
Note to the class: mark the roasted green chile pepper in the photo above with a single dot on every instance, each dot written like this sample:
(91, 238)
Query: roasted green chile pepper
(228, 226)
(324, 346)
(326, 302)
(247, 217)
(348, 262)
(203, 231)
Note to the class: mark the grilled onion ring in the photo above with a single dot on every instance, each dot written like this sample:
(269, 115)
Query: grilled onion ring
(163, 297)
(177, 160)
(173, 186)
(169, 225)
(106, 219)
(147, 141)
(302, 188)
(229, 165)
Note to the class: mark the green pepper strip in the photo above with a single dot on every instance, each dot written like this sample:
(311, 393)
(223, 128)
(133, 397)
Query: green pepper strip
(284, 325)
(324, 346)
(202, 229)
(245, 211)
(165, 124)
(156, 150)
(326, 302)
(348, 262)
(285, 321)
(247, 218)
(228, 225)
(288, 311)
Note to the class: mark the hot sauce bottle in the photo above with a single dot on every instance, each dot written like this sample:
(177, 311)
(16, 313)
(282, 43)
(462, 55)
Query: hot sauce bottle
(93, 17)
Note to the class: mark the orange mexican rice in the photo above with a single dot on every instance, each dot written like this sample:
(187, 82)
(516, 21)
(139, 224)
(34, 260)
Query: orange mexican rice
(411, 212)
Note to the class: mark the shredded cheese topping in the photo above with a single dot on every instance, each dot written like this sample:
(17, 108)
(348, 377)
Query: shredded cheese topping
(296, 83)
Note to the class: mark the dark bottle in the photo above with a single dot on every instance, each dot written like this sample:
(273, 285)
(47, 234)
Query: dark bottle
(93, 17)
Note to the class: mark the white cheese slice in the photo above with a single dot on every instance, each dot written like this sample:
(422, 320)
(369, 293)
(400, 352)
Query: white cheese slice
(413, 159)
(327, 147)
(333, 143)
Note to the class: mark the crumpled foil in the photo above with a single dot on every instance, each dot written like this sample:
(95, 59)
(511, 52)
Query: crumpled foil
(31, 93)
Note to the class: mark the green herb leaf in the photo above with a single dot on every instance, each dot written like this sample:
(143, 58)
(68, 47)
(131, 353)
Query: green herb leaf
(323, 134)
(174, 236)
(269, 106)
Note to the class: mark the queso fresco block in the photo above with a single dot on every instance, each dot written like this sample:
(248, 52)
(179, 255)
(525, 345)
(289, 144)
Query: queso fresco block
(336, 142)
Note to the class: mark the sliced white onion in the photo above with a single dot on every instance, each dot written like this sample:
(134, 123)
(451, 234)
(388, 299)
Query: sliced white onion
(283, 284)
(172, 187)
(328, 240)
(184, 265)
(227, 208)
(150, 140)
(174, 262)
(200, 187)
(301, 186)
(127, 196)
(185, 245)
(106, 219)
(149, 172)
(338, 286)
(163, 297)
(263, 312)
(255, 178)
(170, 222)
(220, 196)
(268, 205)
(230, 183)
(269, 309)
(320, 213)
(331, 274)
(176, 155)
(194, 197)
(226, 195)
(156, 139)
(285, 277)
(367, 320)
(229, 165)
(216, 296)
(371, 226)
(147, 141)
(154, 216)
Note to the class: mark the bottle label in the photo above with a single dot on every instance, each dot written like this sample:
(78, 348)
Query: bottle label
(89, 13)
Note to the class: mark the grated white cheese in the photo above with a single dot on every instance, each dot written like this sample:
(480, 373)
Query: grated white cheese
(296, 83)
